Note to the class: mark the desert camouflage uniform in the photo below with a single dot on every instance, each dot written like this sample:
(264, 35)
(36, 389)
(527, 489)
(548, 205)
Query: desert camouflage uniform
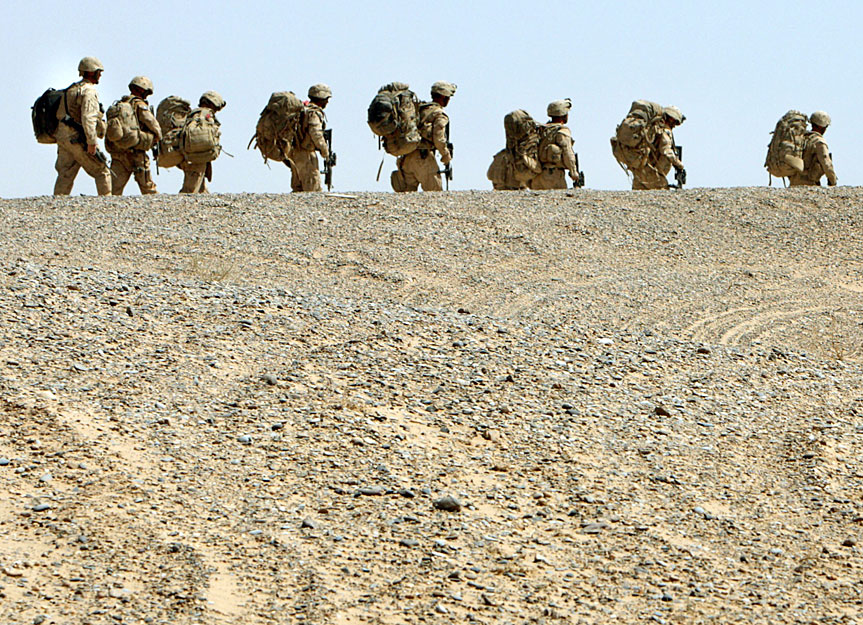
(305, 170)
(420, 167)
(136, 161)
(816, 163)
(662, 158)
(196, 175)
(553, 176)
(82, 105)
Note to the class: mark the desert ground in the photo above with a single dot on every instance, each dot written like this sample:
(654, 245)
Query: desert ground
(466, 407)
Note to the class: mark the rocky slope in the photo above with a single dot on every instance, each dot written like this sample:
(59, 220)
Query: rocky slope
(480, 407)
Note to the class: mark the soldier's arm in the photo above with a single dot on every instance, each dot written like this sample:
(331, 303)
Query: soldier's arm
(564, 142)
(822, 152)
(316, 132)
(90, 115)
(441, 121)
(148, 120)
(666, 148)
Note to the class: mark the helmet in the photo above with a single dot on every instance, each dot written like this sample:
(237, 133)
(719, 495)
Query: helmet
(90, 64)
(559, 108)
(320, 91)
(215, 99)
(142, 82)
(443, 88)
(674, 113)
(820, 118)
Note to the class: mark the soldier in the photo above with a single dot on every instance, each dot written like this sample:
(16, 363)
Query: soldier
(305, 171)
(555, 149)
(135, 161)
(420, 167)
(816, 155)
(81, 126)
(196, 175)
(662, 155)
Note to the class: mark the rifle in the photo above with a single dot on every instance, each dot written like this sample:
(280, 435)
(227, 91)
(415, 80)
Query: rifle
(330, 161)
(155, 152)
(679, 174)
(447, 170)
(578, 182)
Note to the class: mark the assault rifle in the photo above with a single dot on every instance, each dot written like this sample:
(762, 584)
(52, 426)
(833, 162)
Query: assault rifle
(679, 174)
(447, 170)
(578, 182)
(330, 161)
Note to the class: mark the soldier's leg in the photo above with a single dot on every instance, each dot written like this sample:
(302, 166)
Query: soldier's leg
(427, 172)
(193, 177)
(296, 179)
(96, 168)
(143, 176)
(120, 172)
(306, 163)
(67, 168)
(404, 179)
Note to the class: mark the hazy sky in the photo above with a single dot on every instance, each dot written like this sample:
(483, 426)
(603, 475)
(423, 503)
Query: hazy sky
(732, 67)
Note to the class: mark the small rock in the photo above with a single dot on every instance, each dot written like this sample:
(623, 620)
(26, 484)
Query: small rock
(310, 524)
(245, 439)
(4, 462)
(41, 507)
(371, 491)
(407, 493)
(662, 411)
(409, 542)
(703, 350)
(39, 619)
(270, 379)
(849, 542)
(442, 609)
(448, 504)
(593, 528)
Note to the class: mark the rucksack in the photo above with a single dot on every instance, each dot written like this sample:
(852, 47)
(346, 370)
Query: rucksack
(199, 138)
(278, 129)
(549, 152)
(123, 130)
(785, 151)
(522, 142)
(44, 115)
(393, 115)
(502, 172)
(171, 115)
(633, 137)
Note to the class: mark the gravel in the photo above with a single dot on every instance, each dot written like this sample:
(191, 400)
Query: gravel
(648, 404)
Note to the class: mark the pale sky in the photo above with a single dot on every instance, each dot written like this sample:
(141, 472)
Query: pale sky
(732, 67)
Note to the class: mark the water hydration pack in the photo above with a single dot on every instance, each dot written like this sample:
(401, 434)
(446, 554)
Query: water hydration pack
(785, 151)
(279, 125)
(393, 115)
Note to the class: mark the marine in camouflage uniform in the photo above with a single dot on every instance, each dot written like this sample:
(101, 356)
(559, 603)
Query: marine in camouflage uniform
(80, 128)
(305, 169)
(662, 156)
(196, 175)
(816, 155)
(420, 167)
(136, 161)
(560, 156)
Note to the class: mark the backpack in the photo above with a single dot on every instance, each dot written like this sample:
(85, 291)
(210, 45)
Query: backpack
(171, 115)
(199, 138)
(123, 130)
(785, 151)
(393, 115)
(633, 137)
(522, 142)
(279, 125)
(44, 114)
(549, 152)
(502, 172)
